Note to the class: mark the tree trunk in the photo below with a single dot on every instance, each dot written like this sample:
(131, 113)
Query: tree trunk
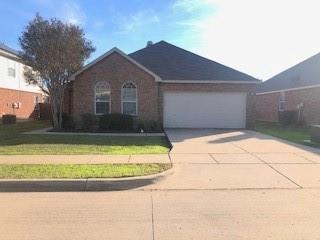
(55, 120)
(56, 101)
(60, 108)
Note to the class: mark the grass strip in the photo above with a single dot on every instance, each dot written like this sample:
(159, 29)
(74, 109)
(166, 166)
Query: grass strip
(79, 171)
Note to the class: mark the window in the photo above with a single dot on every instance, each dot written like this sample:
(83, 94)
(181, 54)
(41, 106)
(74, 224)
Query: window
(129, 99)
(36, 100)
(282, 101)
(102, 98)
(11, 72)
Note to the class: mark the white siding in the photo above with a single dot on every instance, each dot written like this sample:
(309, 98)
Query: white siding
(18, 82)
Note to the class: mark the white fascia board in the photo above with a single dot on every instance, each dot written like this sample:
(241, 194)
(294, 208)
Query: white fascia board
(289, 89)
(9, 55)
(210, 81)
(157, 78)
(23, 90)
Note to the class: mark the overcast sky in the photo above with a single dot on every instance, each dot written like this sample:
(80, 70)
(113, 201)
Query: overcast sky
(258, 37)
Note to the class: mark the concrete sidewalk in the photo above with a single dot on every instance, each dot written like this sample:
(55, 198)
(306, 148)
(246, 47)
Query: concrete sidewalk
(83, 159)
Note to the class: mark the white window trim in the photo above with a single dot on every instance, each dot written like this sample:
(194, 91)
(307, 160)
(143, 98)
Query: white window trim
(280, 108)
(282, 100)
(13, 71)
(94, 98)
(136, 101)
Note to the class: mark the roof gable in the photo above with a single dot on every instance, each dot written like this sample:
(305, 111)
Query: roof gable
(174, 63)
(114, 50)
(168, 63)
(8, 49)
(8, 52)
(301, 75)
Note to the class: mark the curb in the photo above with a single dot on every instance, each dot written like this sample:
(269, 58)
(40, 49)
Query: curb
(168, 141)
(46, 131)
(81, 185)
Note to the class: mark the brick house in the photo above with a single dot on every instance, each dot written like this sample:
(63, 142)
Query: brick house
(297, 88)
(16, 96)
(164, 83)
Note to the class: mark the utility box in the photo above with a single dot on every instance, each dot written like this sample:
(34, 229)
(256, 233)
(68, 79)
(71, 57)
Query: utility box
(315, 133)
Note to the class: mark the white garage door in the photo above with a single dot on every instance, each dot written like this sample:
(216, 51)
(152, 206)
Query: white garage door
(204, 110)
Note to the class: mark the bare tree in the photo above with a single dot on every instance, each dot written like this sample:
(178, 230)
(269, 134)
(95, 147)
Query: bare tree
(53, 50)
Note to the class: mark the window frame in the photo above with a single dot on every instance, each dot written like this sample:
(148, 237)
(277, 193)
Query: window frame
(122, 100)
(13, 71)
(95, 99)
(282, 101)
(35, 100)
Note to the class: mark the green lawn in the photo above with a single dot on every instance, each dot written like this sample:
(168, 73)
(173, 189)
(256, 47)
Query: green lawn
(12, 130)
(297, 134)
(78, 171)
(12, 142)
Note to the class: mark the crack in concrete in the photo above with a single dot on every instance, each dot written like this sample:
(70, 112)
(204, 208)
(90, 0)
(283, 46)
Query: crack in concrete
(274, 169)
(305, 158)
(216, 161)
(86, 185)
(152, 216)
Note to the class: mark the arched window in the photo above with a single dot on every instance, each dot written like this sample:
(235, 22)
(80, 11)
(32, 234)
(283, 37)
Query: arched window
(129, 103)
(102, 98)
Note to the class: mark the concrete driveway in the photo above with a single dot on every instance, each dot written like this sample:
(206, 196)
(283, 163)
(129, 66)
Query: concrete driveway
(227, 141)
(224, 159)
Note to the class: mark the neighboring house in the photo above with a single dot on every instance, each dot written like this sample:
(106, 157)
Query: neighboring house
(167, 84)
(16, 96)
(297, 88)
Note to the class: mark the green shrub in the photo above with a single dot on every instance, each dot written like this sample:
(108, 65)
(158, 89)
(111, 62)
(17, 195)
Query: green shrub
(139, 126)
(116, 121)
(287, 117)
(105, 122)
(152, 126)
(9, 119)
(67, 121)
(88, 121)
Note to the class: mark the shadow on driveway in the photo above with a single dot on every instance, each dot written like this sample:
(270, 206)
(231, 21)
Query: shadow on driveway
(208, 138)
(75, 185)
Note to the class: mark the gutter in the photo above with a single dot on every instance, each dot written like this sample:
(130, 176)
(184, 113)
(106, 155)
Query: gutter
(209, 81)
(289, 89)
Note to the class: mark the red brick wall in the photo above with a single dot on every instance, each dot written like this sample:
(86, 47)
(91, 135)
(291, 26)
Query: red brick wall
(68, 99)
(310, 98)
(249, 88)
(116, 70)
(267, 104)
(8, 96)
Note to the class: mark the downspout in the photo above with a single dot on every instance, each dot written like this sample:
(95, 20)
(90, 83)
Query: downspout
(160, 104)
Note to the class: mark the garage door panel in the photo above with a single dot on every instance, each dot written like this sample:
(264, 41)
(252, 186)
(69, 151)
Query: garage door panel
(204, 110)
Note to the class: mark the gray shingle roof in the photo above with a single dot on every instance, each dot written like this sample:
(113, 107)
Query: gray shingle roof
(174, 63)
(8, 49)
(304, 74)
